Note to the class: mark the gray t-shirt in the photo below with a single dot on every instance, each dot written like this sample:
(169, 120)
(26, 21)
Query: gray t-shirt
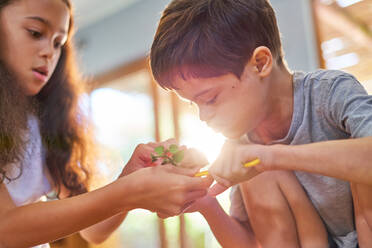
(328, 105)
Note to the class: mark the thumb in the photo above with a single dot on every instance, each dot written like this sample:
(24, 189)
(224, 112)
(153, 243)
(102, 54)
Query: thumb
(221, 185)
(217, 189)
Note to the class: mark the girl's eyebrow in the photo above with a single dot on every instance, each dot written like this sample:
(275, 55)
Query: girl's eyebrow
(45, 22)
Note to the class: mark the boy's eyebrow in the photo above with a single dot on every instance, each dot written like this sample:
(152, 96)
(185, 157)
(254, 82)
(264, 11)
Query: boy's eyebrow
(201, 93)
(44, 21)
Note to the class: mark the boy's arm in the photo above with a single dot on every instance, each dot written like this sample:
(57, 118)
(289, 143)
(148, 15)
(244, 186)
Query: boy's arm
(228, 231)
(347, 107)
(363, 210)
(349, 159)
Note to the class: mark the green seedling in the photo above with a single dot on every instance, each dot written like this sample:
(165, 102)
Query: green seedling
(172, 155)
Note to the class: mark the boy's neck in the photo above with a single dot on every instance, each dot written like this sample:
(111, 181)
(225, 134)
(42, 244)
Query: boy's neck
(280, 109)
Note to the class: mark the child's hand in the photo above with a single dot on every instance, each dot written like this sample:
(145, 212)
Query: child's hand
(166, 189)
(141, 156)
(170, 153)
(229, 168)
(193, 159)
(200, 205)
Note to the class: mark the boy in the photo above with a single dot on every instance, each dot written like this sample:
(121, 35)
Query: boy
(226, 56)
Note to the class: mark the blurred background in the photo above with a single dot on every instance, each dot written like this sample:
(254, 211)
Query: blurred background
(113, 39)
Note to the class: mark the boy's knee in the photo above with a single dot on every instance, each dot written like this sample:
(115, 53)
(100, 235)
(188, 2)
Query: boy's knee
(264, 205)
(264, 200)
(272, 222)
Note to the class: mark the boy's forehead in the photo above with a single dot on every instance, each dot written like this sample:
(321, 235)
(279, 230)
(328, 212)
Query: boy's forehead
(181, 83)
(191, 75)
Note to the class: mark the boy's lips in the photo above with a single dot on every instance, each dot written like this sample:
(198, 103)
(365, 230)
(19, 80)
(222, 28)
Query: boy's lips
(215, 127)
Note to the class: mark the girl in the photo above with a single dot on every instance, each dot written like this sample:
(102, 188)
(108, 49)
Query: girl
(45, 142)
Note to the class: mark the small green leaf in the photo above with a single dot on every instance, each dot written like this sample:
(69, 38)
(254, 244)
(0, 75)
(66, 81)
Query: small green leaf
(178, 157)
(173, 148)
(159, 150)
(153, 158)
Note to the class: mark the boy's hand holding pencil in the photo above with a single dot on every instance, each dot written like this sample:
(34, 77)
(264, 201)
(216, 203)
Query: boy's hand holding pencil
(236, 163)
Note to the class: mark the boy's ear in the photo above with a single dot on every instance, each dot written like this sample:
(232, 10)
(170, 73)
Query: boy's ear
(262, 60)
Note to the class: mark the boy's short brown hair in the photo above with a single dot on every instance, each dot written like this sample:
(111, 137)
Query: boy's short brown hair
(206, 38)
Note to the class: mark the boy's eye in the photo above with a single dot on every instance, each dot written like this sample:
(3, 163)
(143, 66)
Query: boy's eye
(34, 33)
(212, 101)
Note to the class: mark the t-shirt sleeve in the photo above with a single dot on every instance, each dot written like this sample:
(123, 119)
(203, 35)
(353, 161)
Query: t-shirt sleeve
(237, 208)
(349, 107)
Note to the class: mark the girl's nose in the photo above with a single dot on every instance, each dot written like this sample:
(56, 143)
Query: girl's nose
(48, 50)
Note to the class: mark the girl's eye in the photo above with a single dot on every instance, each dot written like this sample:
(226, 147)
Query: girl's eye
(34, 33)
(57, 45)
(212, 101)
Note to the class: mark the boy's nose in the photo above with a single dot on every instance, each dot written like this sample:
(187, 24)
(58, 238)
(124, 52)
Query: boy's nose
(205, 114)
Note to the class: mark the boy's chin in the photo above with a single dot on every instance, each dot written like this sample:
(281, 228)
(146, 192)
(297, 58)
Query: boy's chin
(232, 134)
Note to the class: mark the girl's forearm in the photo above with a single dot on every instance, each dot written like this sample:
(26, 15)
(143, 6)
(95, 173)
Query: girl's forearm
(349, 160)
(47, 221)
(228, 231)
(101, 231)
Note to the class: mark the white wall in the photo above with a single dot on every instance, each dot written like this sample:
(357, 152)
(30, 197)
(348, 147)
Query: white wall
(298, 35)
(127, 35)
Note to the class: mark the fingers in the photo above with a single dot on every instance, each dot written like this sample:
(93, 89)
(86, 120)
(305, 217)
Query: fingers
(166, 143)
(163, 215)
(144, 151)
(196, 183)
(194, 195)
(217, 189)
(152, 144)
(221, 172)
(169, 142)
(236, 163)
(194, 159)
(174, 209)
(181, 171)
(189, 181)
(171, 213)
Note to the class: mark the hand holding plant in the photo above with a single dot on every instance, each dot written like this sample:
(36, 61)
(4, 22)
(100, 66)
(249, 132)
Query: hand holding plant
(178, 156)
(172, 155)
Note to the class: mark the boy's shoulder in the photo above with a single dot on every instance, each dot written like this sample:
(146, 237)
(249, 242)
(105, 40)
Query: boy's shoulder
(326, 76)
(326, 80)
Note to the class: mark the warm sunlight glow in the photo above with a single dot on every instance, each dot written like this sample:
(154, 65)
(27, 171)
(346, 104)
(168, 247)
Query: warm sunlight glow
(346, 3)
(198, 135)
(119, 115)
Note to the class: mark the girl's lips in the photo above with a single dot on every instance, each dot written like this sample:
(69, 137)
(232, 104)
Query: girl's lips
(40, 76)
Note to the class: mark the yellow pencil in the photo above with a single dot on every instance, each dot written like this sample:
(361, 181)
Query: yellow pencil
(252, 163)
(248, 164)
(202, 173)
